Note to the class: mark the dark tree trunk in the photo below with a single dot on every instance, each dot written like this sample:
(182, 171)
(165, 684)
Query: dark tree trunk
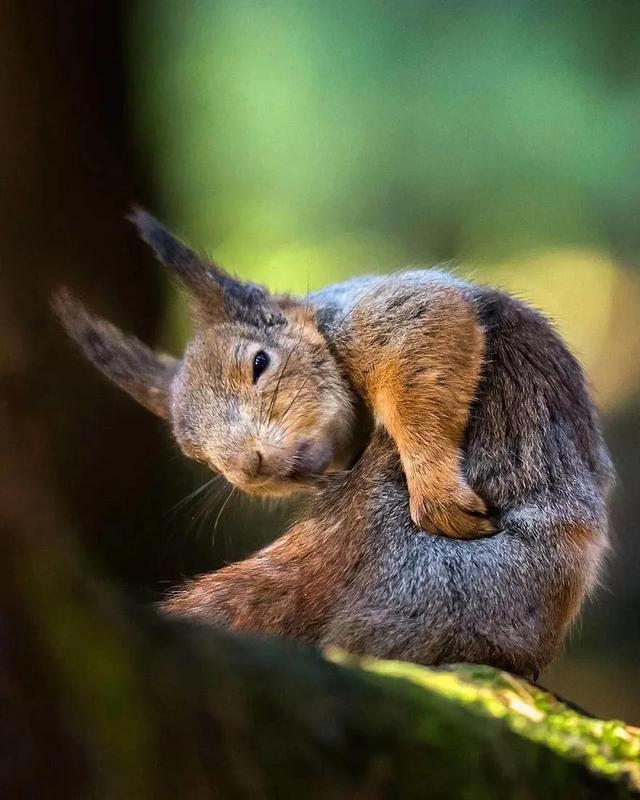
(66, 186)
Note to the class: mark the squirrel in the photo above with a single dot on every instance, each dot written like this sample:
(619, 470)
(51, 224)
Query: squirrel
(510, 418)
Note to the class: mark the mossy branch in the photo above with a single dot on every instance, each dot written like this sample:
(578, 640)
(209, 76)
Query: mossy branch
(157, 709)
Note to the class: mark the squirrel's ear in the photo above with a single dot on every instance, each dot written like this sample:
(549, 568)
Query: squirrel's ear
(198, 277)
(125, 360)
(214, 292)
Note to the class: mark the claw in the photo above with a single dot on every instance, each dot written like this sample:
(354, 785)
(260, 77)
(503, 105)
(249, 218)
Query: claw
(457, 518)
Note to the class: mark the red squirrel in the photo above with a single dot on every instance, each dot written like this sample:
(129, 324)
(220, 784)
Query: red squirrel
(476, 404)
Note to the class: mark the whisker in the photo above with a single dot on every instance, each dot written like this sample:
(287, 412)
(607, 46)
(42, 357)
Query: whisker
(295, 397)
(222, 508)
(206, 504)
(283, 431)
(260, 413)
(289, 354)
(192, 495)
(207, 507)
(278, 382)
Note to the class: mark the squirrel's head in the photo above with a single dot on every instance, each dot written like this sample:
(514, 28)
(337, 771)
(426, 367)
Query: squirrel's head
(257, 395)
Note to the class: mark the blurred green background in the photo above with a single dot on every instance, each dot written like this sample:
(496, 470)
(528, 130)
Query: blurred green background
(302, 143)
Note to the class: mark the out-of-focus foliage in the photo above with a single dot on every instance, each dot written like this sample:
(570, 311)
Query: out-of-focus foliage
(327, 137)
(303, 142)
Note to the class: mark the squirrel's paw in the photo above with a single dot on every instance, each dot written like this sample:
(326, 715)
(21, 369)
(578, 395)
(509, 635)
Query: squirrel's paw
(462, 515)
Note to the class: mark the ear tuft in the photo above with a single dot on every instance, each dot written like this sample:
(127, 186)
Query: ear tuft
(173, 253)
(125, 360)
(214, 292)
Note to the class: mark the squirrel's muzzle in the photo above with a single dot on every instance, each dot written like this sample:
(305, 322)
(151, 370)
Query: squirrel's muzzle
(263, 469)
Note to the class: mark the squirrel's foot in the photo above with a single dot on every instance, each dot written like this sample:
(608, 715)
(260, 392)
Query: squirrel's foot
(460, 514)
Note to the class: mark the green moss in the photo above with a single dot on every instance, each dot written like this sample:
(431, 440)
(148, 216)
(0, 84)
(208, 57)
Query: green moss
(608, 748)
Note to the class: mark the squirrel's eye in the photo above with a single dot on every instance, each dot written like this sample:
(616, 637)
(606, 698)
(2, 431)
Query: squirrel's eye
(260, 362)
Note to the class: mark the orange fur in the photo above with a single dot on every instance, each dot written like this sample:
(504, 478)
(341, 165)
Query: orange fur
(582, 539)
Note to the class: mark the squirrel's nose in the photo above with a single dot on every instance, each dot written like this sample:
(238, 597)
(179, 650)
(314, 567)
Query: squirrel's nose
(249, 464)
